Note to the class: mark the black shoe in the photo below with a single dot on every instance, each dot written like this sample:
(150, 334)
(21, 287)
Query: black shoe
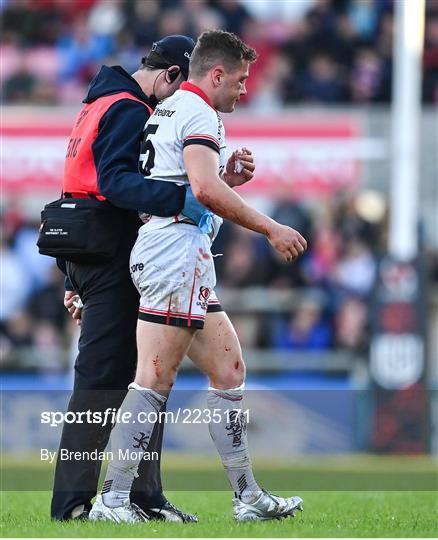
(80, 513)
(169, 512)
(82, 517)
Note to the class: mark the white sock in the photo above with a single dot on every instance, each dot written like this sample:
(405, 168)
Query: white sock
(129, 442)
(229, 437)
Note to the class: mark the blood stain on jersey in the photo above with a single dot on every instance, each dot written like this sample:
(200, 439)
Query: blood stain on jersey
(175, 304)
(204, 255)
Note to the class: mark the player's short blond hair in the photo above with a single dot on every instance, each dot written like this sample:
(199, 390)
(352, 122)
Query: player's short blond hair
(219, 47)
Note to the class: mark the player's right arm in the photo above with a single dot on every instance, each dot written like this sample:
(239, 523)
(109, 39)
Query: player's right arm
(202, 166)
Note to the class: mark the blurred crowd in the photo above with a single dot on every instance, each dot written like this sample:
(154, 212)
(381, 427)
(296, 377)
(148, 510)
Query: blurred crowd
(34, 329)
(310, 51)
(335, 279)
(323, 51)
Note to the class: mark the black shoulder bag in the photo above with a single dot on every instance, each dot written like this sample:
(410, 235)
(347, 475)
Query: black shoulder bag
(82, 230)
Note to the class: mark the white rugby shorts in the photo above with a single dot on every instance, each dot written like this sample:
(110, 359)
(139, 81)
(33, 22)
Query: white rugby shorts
(173, 270)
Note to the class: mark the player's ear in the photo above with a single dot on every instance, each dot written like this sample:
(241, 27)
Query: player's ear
(217, 75)
(172, 74)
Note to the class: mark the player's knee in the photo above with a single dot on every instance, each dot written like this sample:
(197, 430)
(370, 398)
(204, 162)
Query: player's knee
(162, 384)
(159, 380)
(230, 375)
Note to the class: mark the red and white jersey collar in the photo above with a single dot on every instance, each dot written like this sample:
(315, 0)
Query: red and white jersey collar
(190, 87)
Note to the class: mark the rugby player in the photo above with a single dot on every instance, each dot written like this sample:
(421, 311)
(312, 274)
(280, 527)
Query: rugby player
(173, 269)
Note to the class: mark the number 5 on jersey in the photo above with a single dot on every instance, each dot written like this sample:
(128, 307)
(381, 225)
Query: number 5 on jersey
(147, 150)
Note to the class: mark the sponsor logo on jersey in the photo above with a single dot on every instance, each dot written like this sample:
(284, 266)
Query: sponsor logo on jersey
(137, 267)
(163, 112)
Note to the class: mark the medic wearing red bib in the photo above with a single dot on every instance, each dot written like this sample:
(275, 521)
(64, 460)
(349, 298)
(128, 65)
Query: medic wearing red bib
(102, 162)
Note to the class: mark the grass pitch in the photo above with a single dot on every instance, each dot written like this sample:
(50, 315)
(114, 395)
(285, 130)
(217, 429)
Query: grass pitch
(326, 513)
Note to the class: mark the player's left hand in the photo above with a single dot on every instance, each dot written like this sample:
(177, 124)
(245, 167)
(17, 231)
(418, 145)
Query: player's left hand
(240, 167)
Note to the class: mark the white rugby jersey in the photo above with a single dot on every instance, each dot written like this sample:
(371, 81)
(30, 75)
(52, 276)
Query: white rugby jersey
(185, 118)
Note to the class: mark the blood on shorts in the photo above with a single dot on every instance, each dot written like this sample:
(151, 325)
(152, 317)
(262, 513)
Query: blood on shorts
(236, 365)
(175, 304)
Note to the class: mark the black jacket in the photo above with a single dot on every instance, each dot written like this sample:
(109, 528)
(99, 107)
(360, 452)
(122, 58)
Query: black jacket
(117, 146)
(116, 150)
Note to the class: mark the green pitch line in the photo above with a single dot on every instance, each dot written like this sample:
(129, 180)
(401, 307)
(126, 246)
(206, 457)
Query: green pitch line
(326, 514)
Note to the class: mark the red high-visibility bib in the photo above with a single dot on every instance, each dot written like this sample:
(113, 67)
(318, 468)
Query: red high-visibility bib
(80, 175)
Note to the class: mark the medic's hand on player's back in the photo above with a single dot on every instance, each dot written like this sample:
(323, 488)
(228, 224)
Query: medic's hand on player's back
(195, 211)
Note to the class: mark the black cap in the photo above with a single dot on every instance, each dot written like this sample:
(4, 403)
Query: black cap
(170, 51)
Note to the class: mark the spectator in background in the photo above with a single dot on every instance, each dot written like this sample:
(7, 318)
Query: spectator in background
(350, 325)
(325, 246)
(15, 286)
(306, 329)
(202, 17)
(16, 334)
(320, 40)
(364, 18)
(141, 22)
(355, 40)
(38, 269)
(80, 49)
(384, 48)
(32, 22)
(281, 275)
(47, 345)
(15, 282)
(172, 21)
(20, 86)
(351, 224)
(366, 77)
(356, 269)
(44, 304)
(234, 14)
(344, 42)
(125, 51)
(322, 83)
(277, 85)
(106, 18)
(243, 264)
